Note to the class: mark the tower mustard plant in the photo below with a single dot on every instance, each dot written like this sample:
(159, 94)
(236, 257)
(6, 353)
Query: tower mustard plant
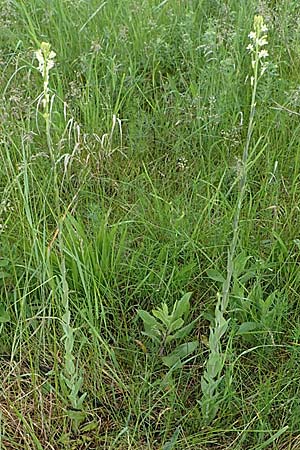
(71, 380)
(213, 373)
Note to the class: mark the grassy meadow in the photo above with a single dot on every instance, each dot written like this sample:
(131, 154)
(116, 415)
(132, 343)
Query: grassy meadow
(149, 224)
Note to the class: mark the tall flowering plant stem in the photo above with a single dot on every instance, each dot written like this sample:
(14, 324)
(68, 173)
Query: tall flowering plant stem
(71, 379)
(45, 57)
(213, 373)
(258, 39)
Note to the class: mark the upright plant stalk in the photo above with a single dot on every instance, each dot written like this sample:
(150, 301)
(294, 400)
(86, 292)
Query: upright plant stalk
(46, 57)
(71, 380)
(259, 40)
(214, 367)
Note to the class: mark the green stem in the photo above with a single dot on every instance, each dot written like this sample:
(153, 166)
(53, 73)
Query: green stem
(241, 193)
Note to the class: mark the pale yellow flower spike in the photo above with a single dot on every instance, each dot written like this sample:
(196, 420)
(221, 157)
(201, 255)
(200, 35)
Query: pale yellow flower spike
(258, 40)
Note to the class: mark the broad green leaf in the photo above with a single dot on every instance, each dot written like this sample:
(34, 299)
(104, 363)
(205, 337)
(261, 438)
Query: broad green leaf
(208, 385)
(3, 275)
(151, 326)
(238, 290)
(4, 262)
(182, 306)
(172, 361)
(89, 427)
(214, 365)
(186, 349)
(215, 275)
(185, 331)
(240, 263)
(182, 351)
(4, 316)
(165, 309)
(163, 315)
(256, 293)
(169, 338)
(77, 416)
(153, 334)
(170, 445)
(81, 400)
(248, 327)
(266, 305)
(247, 276)
(175, 325)
(148, 320)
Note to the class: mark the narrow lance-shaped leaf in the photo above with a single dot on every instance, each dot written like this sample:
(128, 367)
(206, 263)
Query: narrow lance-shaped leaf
(181, 352)
(182, 306)
(148, 320)
(215, 275)
(185, 331)
(163, 315)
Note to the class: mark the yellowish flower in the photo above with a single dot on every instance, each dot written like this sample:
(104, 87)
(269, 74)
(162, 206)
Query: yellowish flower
(45, 57)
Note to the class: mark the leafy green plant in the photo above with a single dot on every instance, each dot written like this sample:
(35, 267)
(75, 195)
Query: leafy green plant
(165, 327)
(254, 311)
(257, 314)
(71, 379)
(212, 376)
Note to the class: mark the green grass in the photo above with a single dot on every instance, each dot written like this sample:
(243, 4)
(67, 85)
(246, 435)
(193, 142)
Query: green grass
(149, 120)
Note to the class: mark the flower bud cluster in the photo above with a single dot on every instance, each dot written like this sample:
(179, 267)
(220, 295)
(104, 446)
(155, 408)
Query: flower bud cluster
(45, 57)
(258, 39)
